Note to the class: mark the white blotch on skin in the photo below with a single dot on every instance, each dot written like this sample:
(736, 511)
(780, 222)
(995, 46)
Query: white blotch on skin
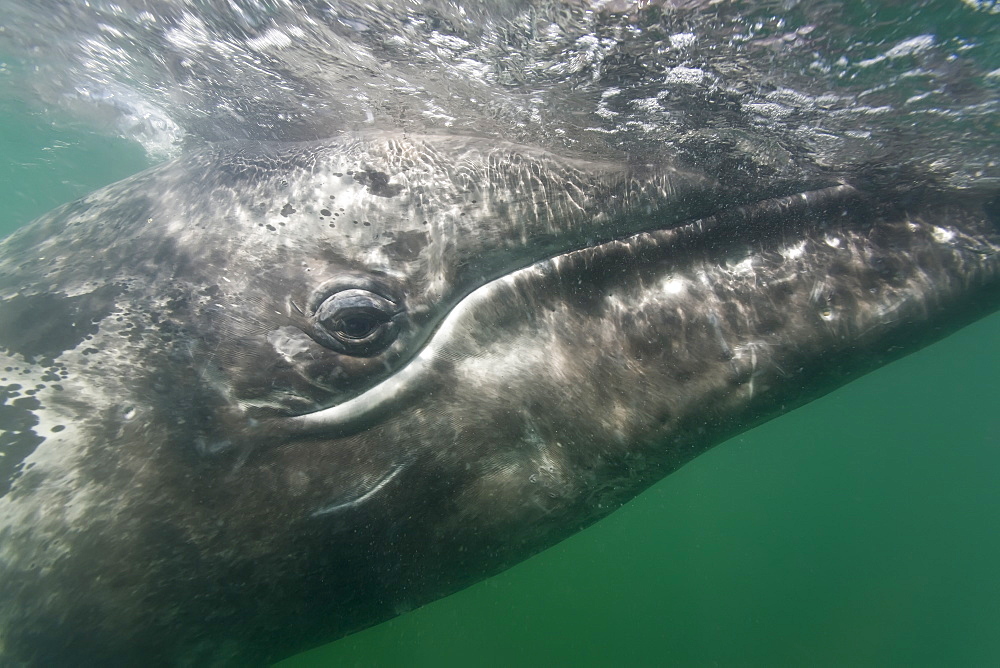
(674, 285)
(685, 75)
(682, 40)
(795, 251)
(943, 235)
(744, 266)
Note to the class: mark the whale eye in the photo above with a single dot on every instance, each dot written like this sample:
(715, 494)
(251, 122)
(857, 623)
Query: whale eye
(358, 326)
(356, 322)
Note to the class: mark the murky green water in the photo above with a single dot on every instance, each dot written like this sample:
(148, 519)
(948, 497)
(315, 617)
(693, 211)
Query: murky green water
(858, 530)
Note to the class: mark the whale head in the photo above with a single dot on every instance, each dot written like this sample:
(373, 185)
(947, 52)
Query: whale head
(270, 394)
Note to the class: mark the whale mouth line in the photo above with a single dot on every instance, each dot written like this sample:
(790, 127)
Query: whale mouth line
(360, 412)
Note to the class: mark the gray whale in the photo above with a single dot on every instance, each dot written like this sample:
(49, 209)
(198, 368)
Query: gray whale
(268, 395)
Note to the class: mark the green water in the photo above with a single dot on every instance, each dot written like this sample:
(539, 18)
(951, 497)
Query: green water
(858, 530)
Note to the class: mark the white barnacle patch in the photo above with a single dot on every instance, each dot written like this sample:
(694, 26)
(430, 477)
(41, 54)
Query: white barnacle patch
(769, 109)
(991, 6)
(674, 285)
(685, 75)
(646, 104)
(943, 235)
(272, 39)
(191, 34)
(911, 46)
(682, 40)
(832, 241)
(795, 251)
(908, 47)
(741, 267)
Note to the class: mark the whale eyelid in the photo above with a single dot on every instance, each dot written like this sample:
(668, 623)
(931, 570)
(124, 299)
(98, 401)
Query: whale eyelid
(328, 288)
(329, 323)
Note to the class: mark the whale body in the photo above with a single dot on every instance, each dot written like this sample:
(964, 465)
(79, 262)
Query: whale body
(270, 394)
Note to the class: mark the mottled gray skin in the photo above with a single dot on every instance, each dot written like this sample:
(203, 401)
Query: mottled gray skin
(192, 475)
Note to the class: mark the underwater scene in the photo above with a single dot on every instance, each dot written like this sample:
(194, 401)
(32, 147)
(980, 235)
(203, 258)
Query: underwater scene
(514, 333)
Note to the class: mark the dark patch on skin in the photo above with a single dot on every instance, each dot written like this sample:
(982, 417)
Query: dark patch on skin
(17, 436)
(287, 210)
(325, 212)
(378, 183)
(407, 245)
(47, 325)
(887, 269)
